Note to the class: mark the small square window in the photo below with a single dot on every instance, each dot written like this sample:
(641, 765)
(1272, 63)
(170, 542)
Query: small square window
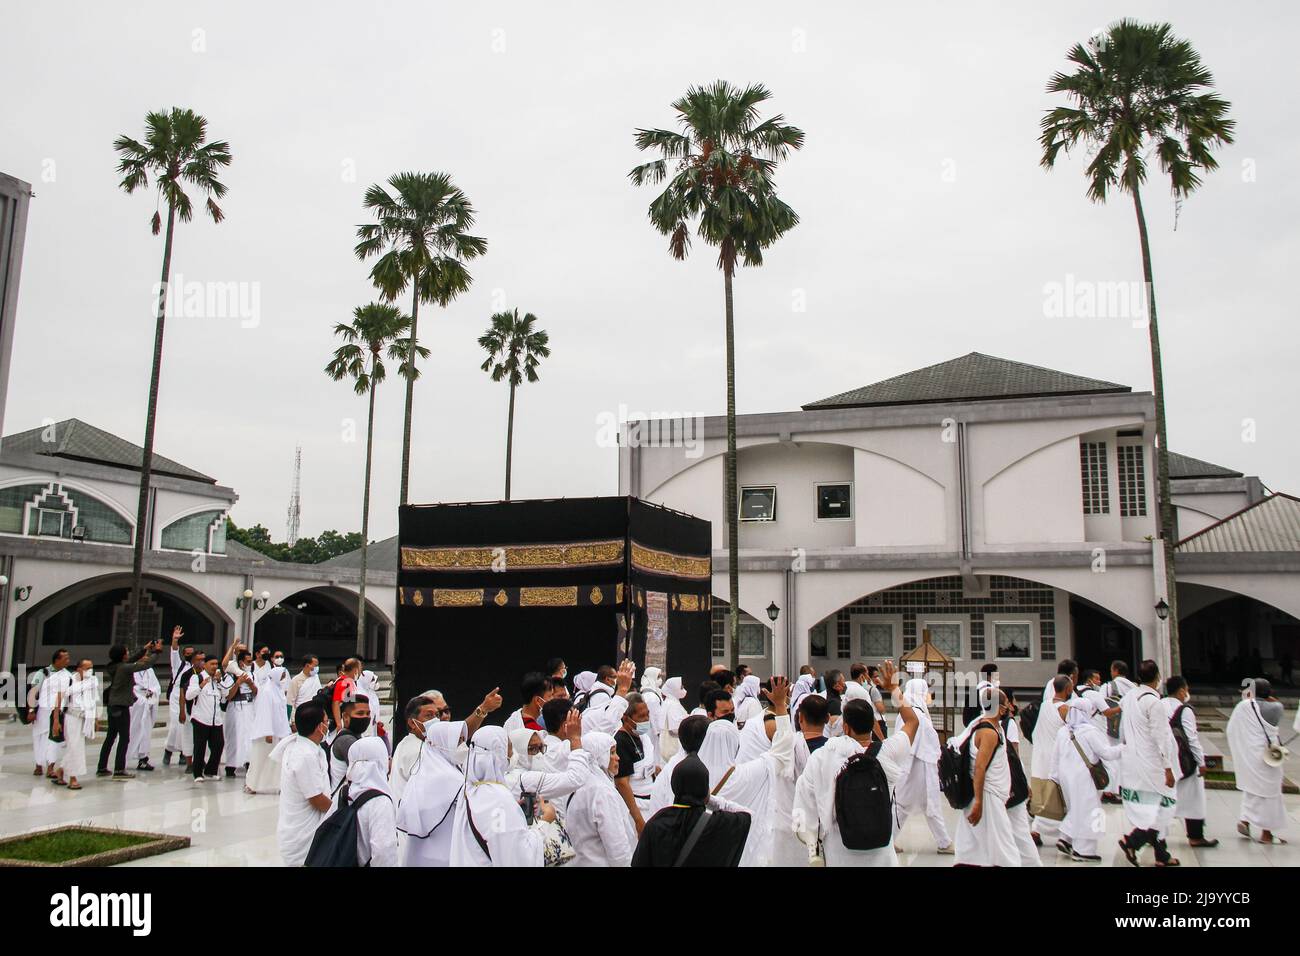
(753, 639)
(876, 640)
(51, 522)
(1013, 640)
(947, 637)
(834, 502)
(758, 503)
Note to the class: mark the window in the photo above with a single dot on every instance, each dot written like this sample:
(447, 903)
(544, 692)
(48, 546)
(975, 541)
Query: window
(834, 502)
(719, 634)
(1132, 482)
(876, 639)
(758, 503)
(753, 639)
(55, 523)
(817, 640)
(52, 510)
(1014, 640)
(1096, 480)
(191, 533)
(946, 636)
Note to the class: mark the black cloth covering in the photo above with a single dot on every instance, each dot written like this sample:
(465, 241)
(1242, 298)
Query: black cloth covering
(722, 841)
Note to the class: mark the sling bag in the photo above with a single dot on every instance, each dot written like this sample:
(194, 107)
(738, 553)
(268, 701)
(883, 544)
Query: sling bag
(693, 837)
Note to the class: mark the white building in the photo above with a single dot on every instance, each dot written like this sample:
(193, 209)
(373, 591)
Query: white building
(1008, 508)
(68, 496)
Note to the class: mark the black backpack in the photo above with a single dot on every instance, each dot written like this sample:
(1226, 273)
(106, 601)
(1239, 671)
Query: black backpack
(1029, 719)
(325, 697)
(583, 700)
(1019, 780)
(1186, 759)
(863, 805)
(335, 842)
(955, 780)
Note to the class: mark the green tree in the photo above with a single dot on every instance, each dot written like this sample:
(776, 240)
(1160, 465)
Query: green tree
(176, 154)
(515, 348)
(375, 329)
(723, 161)
(421, 238)
(1139, 92)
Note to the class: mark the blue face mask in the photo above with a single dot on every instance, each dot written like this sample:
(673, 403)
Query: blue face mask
(644, 727)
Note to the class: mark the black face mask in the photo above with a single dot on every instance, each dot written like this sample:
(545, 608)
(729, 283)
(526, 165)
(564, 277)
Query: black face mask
(731, 717)
(358, 725)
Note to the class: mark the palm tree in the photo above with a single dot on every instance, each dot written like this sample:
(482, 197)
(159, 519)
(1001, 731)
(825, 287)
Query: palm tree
(176, 153)
(421, 239)
(515, 348)
(375, 328)
(1137, 91)
(723, 160)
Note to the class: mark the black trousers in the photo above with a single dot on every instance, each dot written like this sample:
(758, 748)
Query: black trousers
(119, 729)
(213, 739)
(1195, 829)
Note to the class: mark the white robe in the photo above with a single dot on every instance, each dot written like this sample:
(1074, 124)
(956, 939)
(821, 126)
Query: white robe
(595, 816)
(1249, 736)
(239, 718)
(1040, 760)
(1084, 824)
(143, 713)
(426, 809)
(1149, 750)
(750, 784)
(54, 687)
(304, 773)
(814, 798)
(992, 841)
(176, 731)
(1190, 791)
(918, 791)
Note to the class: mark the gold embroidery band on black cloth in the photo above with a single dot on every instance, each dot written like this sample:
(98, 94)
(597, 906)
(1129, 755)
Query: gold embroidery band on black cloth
(581, 595)
(521, 557)
(670, 564)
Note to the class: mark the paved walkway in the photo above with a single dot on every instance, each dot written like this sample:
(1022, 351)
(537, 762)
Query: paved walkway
(231, 828)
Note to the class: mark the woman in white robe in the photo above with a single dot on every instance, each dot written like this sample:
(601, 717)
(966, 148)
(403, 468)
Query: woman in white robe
(376, 820)
(672, 715)
(746, 700)
(1263, 812)
(144, 712)
(596, 818)
(269, 725)
(804, 686)
(749, 784)
(490, 828)
(1084, 824)
(918, 791)
(991, 841)
(79, 722)
(426, 811)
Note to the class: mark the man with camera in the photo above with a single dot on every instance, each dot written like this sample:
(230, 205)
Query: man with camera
(119, 695)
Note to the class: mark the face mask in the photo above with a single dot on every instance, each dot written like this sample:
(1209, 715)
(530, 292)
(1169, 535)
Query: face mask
(731, 717)
(426, 728)
(643, 727)
(277, 661)
(358, 725)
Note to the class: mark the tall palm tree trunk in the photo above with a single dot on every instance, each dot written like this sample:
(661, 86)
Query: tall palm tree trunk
(510, 437)
(733, 521)
(1167, 533)
(365, 528)
(410, 394)
(136, 601)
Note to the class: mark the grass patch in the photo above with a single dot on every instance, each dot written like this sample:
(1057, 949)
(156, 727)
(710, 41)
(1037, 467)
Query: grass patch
(59, 846)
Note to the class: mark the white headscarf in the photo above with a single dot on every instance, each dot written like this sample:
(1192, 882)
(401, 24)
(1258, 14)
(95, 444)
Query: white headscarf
(583, 681)
(749, 687)
(1081, 711)
(753, 739)
(368, 767)
(650, 678)
(719, 750)
(488, 759)
(802, 688)
(673, 688)
(598, 744)
(435, 781)
(519, 755)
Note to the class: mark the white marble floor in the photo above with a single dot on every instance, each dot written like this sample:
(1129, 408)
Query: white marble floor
(228, 827)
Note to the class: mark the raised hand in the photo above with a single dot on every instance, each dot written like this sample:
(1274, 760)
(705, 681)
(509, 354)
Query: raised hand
(779, 695)
(571, 730)
(492, 701)
(623, 681)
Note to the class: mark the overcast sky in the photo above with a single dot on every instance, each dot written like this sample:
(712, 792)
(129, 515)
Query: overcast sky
(927, 228)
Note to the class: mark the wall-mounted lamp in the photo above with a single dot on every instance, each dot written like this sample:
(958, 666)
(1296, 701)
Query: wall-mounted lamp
(22, 594)
(1162, 610)
(258, 603)
(772, 612)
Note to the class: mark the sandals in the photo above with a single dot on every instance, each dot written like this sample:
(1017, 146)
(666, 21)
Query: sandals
(1244, 829)
(1204, 844)
(74, 786)
(1273, 840)
(1130, 854)
(1172, 861)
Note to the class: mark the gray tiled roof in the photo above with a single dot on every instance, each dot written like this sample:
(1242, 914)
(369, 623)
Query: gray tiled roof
(1184, 466)
(1266, 527)
(381, 556)
(972, 377)
(76, 440)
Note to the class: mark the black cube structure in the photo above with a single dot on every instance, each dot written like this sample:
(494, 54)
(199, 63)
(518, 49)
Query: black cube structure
(489, 591)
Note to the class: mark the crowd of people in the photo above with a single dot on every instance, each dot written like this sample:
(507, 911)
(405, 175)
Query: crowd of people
(610, 768)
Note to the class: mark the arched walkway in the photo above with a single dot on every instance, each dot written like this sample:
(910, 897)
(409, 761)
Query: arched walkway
(1226, 635)
(89, 616)
(322, 621)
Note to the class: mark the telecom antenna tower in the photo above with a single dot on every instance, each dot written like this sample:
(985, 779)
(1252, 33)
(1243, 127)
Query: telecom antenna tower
(295, 507)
